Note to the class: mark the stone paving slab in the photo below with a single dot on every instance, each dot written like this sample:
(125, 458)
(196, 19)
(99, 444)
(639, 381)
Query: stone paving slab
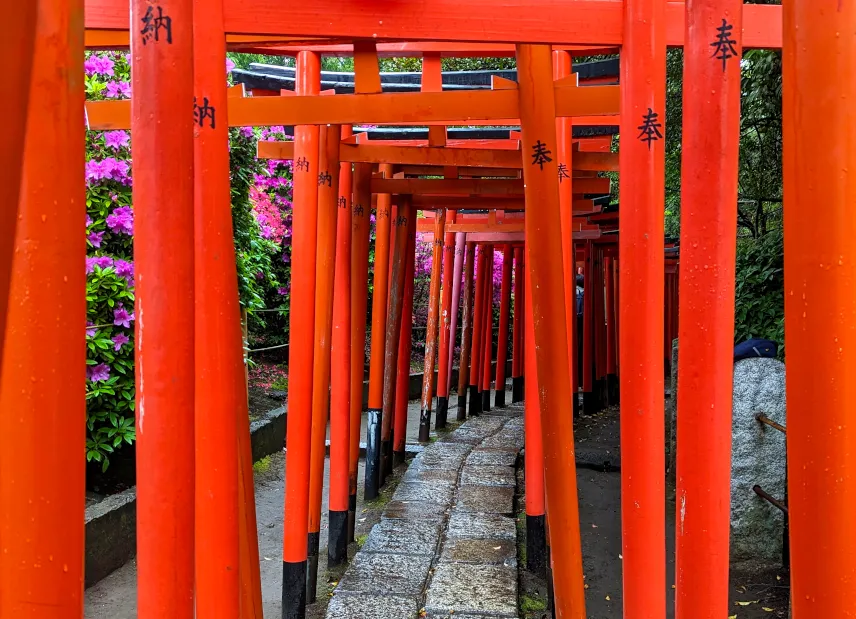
(483, 551)
(348, 606)
(492, 456)
(454, 616)
(462, 436)
(386, 574)
(419, 537)
(417, 472)
(481, 526)
(464, 588)
(403, 510)
(485, 499)
(488, 476)
(486, 425)
(424, 492)
(443, 456)
(507, 441)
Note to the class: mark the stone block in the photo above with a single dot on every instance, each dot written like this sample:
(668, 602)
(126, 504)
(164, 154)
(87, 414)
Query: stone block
(512, 439)
(417, 472)
(480, 526)
(481, 551)
(443, 456)
(461, 436)
(404, 510)
(492, 456)
(485, 499)
(488, 476)
(348, 606)
(758, 456)
(485, 425)
(406, 537)
(424, 491)
(479, 589)
(385, 574)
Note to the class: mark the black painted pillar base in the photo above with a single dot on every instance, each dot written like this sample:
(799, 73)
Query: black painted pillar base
(397, 458)
(424, 425)
(486, 400)
(517, 392)
(385, 460)
(337, 542)
(475, 401)
(462, 406)
(442, 412)
(612, 391)
(590, 403)
(294, 590)
(536, 545)
(352, 517)
(312, 566)
(373, 454)
(499, 399)
(575, 404)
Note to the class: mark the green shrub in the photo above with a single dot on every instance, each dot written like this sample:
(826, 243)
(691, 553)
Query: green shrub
(760, 289)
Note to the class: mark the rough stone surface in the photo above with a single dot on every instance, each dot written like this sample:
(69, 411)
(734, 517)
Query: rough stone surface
(485, 499)
(443, 456)
(462, 436)
(383, 574)
(492, 456)
(487, 476)
(505, 441)
(424, 491)
(758, 457)
(464, 588)
(483, 551)
(481, 526)
(419, 537)
(404, 510)
(347, 606)
(415, 472)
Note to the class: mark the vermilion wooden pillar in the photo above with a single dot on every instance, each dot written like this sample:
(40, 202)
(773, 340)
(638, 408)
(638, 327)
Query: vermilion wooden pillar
(432, 328)
(42, 406)
(301, 348)
(162, 134)
(17, 34)
(546, 283)
(220, 382)
(401, 227)
(711, 140)
(378, 339)
(460, 249)
(643, 117)
(487, 346)
(502, 337)
(340, 377)
(325, 266)
(819, 79)
(517, 331)
(444, 359)
(359, 300)
(402, 389)
(466, 331)
(478, 332)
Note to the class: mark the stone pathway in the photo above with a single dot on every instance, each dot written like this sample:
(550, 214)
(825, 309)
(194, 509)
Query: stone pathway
(447, 542)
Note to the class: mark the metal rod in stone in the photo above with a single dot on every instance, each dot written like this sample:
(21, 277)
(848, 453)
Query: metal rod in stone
(767, 421)
(772, 500)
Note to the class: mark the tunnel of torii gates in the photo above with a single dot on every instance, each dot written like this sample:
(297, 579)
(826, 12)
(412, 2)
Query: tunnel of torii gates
(195, 511)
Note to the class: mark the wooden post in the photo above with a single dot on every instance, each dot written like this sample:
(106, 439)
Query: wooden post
(402, 388)
(466, 331)
(220, 387)
(643, 119)
(460, 249)
(431, 331)
(517, 353)
(340, 379)
(820, 304)
(42, 424)
(325, 267)
(162, 135)
(711, 139)
(478, 333)
(546, 283)
(301, 349)
(487, 346)
(444, 360)
(359, 301)
(502, 337)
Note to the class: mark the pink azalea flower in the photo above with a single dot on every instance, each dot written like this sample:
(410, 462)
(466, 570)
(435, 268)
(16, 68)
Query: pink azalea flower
(98, 373)
(90, 329)
(121, 220)
(119, 340)
(95, 238)
(247, 132)
(230, 65)
(122, 318)
(116, 139)
(125, 269)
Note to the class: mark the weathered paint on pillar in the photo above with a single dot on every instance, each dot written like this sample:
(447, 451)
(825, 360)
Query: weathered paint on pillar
(643, 119)
(162, 134)
(340, 378)
(402, 388)
(819, 63)
(43, 419)
(546, 283)
(460, 249)
(359, 301)
(325, 268)
(378, 339)
(444, 361)
(301, 348)
(433, 326)
(220, 386)
(502, 337)
(466, 331)
(711, 140)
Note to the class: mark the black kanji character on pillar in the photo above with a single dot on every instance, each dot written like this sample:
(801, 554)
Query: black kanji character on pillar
(153, 22)
(383, 213)
(540, 156)
(325, 179)
(343, 202)
(650, 128)
(563, 172)
(201, 112)
(358, 210)
(401, 221)
(303, 164)
(724, 44)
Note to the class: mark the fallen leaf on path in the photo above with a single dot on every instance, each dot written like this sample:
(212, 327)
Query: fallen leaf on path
(747, 603)
(768, 609)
